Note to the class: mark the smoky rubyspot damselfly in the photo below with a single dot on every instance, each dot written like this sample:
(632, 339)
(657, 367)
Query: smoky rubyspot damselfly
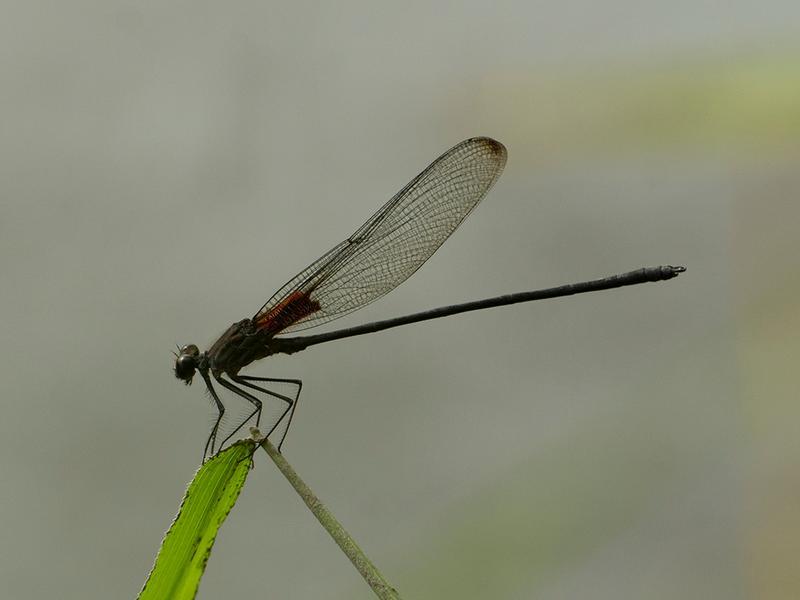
(379, 256)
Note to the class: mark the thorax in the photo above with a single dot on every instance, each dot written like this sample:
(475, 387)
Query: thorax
(240, 345)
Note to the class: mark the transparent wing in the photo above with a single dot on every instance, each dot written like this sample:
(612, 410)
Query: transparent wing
(392, 244)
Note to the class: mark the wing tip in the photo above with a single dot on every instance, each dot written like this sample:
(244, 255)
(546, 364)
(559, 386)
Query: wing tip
(492, 145)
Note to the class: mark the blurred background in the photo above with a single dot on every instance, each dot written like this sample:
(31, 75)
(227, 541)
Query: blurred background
(167, 166)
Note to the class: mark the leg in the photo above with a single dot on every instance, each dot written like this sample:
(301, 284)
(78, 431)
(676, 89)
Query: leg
(247, 396)
(212, 437)
(245, 379)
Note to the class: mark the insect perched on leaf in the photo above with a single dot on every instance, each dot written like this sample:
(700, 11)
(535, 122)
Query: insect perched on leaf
(379, 256)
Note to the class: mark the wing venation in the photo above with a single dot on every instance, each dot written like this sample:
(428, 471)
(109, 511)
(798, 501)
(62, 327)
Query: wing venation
(392, 244)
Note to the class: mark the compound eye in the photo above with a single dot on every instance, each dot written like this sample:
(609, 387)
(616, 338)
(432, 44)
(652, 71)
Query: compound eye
(185, 365)
(190, 349)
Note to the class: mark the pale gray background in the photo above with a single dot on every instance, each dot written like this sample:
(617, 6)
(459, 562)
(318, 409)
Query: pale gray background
(166, 166)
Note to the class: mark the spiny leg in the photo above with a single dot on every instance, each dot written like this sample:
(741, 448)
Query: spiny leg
(212, 437)
(247, 396)
(245, 379)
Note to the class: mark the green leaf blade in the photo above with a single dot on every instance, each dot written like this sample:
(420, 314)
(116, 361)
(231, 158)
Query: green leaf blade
(187, 545)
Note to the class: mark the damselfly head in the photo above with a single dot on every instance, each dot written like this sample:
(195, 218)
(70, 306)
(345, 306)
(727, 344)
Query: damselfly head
(186, 363)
